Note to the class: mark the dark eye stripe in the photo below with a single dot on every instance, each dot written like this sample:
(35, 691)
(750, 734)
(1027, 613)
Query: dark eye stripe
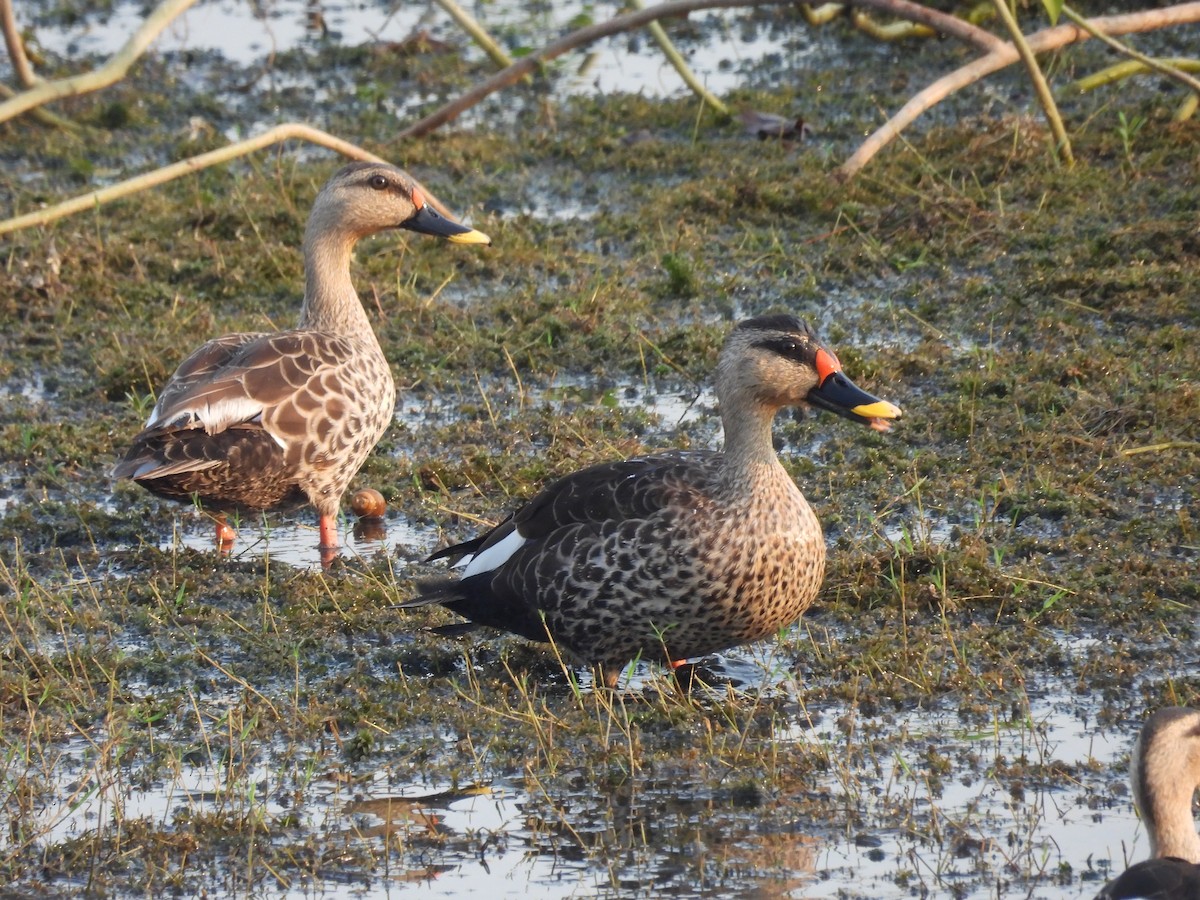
(801, 351)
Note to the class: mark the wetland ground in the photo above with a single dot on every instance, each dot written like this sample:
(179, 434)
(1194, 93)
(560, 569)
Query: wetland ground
(1012, 578)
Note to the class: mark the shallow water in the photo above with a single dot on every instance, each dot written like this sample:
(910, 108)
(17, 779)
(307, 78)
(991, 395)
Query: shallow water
(245, 33)
(497, 839)
(292, 538)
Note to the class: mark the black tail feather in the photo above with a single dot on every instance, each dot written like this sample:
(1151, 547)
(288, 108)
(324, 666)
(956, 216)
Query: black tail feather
(457, 550)
(432, 591)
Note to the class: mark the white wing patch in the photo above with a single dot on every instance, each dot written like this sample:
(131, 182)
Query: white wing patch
(212, 417)
(494, 556)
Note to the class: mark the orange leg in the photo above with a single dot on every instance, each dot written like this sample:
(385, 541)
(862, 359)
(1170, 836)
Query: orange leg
(329, 535)
(610, 676)
(329, 540)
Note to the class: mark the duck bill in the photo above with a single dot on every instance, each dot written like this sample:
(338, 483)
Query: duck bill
(429, 221)
(840, 395)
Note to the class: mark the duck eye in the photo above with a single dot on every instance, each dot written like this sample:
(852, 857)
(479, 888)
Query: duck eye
(378, 182)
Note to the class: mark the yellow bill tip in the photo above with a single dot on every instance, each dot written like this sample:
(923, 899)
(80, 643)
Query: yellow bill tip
(880, 409)
(470, 237)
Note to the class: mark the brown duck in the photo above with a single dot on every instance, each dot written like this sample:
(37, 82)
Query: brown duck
(678, 554)
(270, 420)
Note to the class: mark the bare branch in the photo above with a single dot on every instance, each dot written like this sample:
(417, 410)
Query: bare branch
(16, 49)
(1127, 69)
(1161, 66)
(1062, 143)
(638, 18)
(676, 59)
(1006, 55)
(112, 71)
(43, 115)
(941, 22)
(467, 22)
(142, 182)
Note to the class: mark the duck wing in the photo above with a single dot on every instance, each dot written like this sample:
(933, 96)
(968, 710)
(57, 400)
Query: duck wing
(561, 522)
(232, 380)
(614, 491)
(271, 383)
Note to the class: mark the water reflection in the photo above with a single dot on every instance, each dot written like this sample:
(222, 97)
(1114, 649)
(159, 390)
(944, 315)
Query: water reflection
(397, 814)
(1022, 807)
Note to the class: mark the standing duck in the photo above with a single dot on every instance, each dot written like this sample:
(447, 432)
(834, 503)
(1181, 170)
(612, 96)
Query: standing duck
(678, 554)
(1164, 772)
(270, 420)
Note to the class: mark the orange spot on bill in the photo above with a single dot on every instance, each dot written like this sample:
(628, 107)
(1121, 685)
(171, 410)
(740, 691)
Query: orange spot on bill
(827, 364)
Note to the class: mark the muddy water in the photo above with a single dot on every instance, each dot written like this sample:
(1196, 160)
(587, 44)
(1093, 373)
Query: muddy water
(245, 33)
(508, 839)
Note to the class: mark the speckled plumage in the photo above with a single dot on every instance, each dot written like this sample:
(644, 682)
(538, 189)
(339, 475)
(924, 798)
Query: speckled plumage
(673, 555)
(269, 420)
(1164, 772)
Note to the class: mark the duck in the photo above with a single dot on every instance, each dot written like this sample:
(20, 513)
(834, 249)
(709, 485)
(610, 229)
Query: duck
(673, 555)
(273, 420)
(1164, 772)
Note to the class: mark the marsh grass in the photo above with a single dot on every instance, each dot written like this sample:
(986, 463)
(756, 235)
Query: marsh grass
(1017, 558)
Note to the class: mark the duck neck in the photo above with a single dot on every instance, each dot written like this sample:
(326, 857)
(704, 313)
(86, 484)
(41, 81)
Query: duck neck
(749, 454)
(1163, 791)
(330, 302)
(1170, 827)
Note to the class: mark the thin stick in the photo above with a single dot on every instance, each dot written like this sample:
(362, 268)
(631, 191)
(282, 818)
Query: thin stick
(275, 135)
(112, 71)
(1161, 66)
(941, 22)
(892, 31)
(468, 23)
(1159, 448)
(1006, 55)
(1127, 69)
(1062, 143)
(16, 49)
(675, 59)
(43, 115)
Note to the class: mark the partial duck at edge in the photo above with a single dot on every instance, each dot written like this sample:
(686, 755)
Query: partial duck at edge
(1164, 772)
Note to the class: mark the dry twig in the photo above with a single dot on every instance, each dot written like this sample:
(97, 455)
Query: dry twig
(1006, 55)
(468, 24)
(940, 22)
(16, 49)
(1127, 69)
(111, 72)
(147, 180)
(675, 59)
(1062, 143)
(1163, 67)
